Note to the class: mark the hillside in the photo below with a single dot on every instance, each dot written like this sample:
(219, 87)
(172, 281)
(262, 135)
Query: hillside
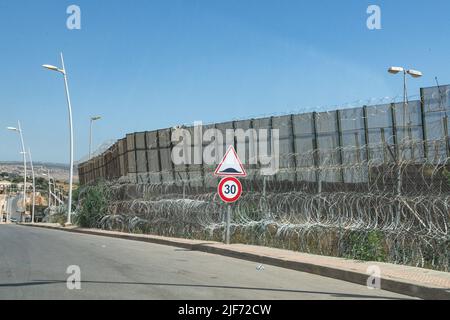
(58, 171)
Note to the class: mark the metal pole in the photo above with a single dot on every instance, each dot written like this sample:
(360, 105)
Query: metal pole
(424, 130)
(400, 155)
(49, 190)
(9, 205)
(397, 149)
(69, 205)
(34, 186)
(228, 223)
(339, 136)
(90, 140)
(8, 194)
(24, 171)
(404, 100)
(8, 190)
(294, 147)
(316, 157)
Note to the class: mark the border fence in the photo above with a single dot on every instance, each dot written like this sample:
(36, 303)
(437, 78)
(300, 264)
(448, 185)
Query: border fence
(322, 148)
(370, 183)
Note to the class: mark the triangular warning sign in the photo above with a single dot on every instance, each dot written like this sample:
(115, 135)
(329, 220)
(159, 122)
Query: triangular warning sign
(231, 165)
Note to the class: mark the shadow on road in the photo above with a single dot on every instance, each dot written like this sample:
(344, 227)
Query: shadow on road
(333, 294)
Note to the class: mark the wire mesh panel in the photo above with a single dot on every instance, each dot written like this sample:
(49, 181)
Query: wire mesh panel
(409, 130)
(246, 139)
(381, 134)
(328, 146)
(213, 152)
(141, 157)
(304, 146)
(436, 107)
(287, 159)
(131, 157)
(263, 149)
(345, 178)
(153, 157)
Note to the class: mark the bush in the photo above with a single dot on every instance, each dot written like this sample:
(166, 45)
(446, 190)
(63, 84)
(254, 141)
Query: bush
(59, 216)
(92, 205)
(366, 246)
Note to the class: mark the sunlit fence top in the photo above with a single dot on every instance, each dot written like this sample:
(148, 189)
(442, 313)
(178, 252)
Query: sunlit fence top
(364, 147)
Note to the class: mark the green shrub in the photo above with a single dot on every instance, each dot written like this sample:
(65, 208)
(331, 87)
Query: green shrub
(92, 205)
(60, 216)
(366, 246)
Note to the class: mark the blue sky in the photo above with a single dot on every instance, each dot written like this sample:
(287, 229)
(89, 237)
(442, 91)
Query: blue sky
(144, 64)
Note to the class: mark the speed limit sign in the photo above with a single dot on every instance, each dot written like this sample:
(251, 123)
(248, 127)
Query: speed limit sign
(229, 189)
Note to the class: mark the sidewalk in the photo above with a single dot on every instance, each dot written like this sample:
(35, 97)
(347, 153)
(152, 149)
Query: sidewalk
(412, 281)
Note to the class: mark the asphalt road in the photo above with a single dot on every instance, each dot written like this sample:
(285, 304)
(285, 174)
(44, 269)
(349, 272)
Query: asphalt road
(34, 261)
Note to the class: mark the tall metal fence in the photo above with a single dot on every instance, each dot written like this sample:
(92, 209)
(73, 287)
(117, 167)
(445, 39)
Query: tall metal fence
(321, 148)
(369, 183)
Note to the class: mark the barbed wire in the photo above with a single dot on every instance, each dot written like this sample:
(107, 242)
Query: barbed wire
(358, 199)
(390, 196)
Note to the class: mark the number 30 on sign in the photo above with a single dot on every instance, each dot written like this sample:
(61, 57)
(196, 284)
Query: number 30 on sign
(229, 189)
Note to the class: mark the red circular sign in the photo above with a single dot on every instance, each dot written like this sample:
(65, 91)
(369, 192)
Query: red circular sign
(229, 189)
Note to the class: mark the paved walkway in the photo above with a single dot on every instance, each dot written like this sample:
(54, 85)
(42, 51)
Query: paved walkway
(419, 282)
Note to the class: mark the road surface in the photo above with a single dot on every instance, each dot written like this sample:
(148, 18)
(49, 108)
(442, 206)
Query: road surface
(34, 261)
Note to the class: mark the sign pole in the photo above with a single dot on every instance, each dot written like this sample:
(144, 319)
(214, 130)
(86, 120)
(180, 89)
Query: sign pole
(229, 188)
(228, 223)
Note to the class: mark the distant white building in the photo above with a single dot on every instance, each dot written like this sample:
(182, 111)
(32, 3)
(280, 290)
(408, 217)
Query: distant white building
(4, 185)
(20, 185)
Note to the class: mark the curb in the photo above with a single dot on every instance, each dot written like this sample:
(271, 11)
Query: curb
(393, 285)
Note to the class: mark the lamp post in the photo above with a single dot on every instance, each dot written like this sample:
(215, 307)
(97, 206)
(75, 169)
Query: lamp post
(415, 74)
(8, 209)
(90, 134)
(34, 186)
(412, 73)
(49, 188)
(19, 130)
(64, 73)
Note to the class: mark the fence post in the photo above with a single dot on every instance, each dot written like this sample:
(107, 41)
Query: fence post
(159, 156)
(423, 119)
(254, 147)
(316, 155)
(294, 148)
(271, 142)
(366, 143)
(339, 134)
(445, 127)
(147, 164)
(397, 150)
(135, 157)
(171, 149)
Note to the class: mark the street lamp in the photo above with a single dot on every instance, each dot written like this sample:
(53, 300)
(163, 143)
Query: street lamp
(34, 185)
(8, 210)
(64, 73)
(415, 74)
(90, 134)
(19, 130)
(49, 188)
(54, 194)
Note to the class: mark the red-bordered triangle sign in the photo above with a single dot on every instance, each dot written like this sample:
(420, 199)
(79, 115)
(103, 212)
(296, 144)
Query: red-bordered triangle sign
(230, 165)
